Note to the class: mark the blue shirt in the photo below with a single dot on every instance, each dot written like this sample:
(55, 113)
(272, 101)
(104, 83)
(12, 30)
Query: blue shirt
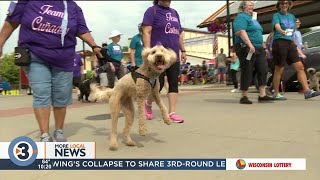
(115, 52)
(287, 22)
(136, 44)
(298, 38)
(244, 21)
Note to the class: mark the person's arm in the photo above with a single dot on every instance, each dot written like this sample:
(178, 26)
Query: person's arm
(87, 38)
(279, 29)
(182, 48)
(132, 57)
(146, 36)
(245, 38)
(6, 31)
(234, 57)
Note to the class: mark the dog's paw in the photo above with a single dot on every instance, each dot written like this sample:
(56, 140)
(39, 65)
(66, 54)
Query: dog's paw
(131, 143)
(142, 131)
(113, 146)
(167, 121)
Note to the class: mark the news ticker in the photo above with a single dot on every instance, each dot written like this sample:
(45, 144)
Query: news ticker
(24, 154)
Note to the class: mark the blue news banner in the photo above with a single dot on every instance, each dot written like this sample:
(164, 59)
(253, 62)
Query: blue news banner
(117, 164)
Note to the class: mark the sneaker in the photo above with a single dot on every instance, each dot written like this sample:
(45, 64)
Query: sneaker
(234, 90)
(148, 110)
(176, 118)
(245, 100)
(310, 94)
(279, 97)
(45, 137)
(265, 99)
(58, 136)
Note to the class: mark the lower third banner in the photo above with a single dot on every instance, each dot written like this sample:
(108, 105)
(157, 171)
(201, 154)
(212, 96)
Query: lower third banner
(118, 164)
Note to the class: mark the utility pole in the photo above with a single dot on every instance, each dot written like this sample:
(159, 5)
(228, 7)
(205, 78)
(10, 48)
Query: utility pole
(228, 24)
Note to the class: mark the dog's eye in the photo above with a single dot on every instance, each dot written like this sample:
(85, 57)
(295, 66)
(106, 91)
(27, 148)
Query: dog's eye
(153, 52)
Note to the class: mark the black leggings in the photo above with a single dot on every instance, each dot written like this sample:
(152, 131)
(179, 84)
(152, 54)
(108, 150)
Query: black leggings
(257, 62)
(172, 74)
(234, 78)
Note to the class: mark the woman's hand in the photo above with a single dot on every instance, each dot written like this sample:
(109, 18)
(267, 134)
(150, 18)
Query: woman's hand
(252, 49)
(183, 57)
(112, 67)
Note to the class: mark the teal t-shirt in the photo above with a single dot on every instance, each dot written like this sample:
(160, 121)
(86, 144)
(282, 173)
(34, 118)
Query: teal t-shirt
(287, 23)
(235, 65)
(136, 44)
(115, 51)
(244, 21)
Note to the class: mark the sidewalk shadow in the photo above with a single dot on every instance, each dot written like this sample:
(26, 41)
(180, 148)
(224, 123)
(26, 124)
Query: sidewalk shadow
(140, 140)
(71, 129)
(102, 117)
(226, 101)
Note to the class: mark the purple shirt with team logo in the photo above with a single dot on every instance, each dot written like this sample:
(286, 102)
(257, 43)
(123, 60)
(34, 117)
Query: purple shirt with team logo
(77, 63)
(40, 30)
(166, 27)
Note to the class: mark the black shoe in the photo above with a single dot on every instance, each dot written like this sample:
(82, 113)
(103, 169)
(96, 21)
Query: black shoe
(245, 100)
(265, 99)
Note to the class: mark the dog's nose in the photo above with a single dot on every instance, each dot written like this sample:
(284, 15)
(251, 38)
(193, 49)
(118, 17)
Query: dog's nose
(158, 56)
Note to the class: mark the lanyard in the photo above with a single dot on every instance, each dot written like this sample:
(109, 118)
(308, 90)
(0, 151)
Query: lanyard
(64, 24)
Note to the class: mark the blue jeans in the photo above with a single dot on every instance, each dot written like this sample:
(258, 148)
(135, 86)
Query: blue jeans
(50, 86)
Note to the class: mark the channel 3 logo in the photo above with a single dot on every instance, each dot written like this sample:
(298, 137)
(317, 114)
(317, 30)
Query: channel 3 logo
(23, 151)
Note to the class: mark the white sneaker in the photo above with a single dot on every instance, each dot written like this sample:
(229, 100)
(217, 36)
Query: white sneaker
(234, 91)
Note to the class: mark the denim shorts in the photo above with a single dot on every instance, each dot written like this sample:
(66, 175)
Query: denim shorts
(50, 86)
(222, 70)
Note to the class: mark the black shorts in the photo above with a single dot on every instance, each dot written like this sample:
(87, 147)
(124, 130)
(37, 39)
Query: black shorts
(172, 74)
(284, 51)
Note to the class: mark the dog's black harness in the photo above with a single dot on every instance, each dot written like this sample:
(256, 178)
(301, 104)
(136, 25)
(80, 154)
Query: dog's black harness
(135, 75)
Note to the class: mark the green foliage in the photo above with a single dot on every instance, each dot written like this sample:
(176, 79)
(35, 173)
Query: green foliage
(89, 74)
(125, 49)
(8, 70)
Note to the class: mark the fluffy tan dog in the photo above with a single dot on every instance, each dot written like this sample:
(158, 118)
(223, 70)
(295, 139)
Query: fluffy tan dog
(314, 78)
(137, 86)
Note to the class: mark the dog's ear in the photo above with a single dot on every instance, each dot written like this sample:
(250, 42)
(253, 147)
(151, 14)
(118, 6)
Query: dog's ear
(173, 56)
(145, 53)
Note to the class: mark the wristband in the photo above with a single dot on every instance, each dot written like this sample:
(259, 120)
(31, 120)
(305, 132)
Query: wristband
(93, 47)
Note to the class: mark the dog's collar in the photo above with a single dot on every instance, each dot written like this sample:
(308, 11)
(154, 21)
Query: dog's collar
(135, 75)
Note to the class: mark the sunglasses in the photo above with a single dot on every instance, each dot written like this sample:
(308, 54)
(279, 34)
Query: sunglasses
(283, 3)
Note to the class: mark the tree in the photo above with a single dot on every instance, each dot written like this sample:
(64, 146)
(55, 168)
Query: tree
(8, 70)
(125, 49)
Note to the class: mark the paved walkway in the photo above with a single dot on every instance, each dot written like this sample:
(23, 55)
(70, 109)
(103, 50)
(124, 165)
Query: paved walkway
(216, 126)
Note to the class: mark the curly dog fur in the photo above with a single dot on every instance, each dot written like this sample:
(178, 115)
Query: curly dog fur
(314, 78)
(155, 61)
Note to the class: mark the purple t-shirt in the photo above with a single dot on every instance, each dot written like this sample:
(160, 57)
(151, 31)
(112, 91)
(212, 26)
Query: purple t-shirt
(166, 27)
(77, 63)
(40, 30)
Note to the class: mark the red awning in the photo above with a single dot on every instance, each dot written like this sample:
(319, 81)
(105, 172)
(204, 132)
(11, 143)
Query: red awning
(212, 61)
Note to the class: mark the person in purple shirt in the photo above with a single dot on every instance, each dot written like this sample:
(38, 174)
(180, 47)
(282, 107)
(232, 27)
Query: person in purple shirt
(49, 30)
(77, 73)
(161, 25)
